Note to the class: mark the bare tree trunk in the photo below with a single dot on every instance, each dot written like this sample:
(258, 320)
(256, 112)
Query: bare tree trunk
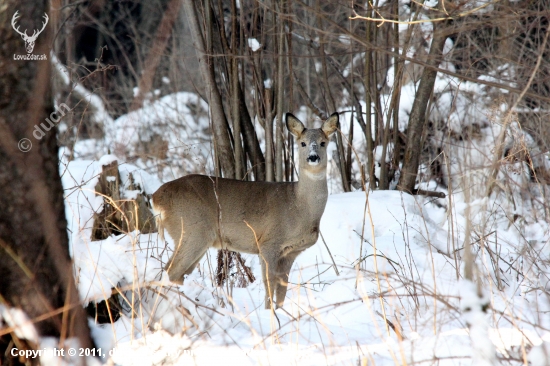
(247, 133)
(290, 163)
(383, 184)
(268, 124)
(36, 273)
(280, 97)
(235, 95)
(368, 102)
(251, 143)
(222, 140)
(158, 46)
(417, 118)
(387, 170)
(341, 161)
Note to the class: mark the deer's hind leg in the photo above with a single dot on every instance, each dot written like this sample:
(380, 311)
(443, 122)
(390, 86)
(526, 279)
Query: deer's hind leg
(188, 252)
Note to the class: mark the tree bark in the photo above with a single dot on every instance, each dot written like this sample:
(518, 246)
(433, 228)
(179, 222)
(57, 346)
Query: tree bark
(279, 137)
(36, 273)
(368, 102)
(251, 143)
(235, 103)
(222, 140)
(158, 46)
(417, 119)
(268, 124)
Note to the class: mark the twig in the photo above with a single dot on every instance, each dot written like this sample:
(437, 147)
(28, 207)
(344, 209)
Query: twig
(328, 250)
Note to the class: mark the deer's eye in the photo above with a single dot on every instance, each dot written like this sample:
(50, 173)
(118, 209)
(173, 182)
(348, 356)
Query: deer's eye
(323, 144)
(303, 144)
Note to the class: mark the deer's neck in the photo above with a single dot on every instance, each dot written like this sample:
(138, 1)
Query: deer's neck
(312, 190)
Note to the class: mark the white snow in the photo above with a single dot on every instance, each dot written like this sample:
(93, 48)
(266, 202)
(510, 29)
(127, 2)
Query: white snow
(327, 318)
(472, 301)
(18, 320)
(107, 160)
(254, 44)
(540, 355)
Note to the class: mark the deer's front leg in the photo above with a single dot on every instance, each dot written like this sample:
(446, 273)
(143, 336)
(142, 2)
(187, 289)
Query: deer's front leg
(283, 271)
(268, 260)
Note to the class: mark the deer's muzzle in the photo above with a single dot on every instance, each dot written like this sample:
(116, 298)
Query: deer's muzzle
(314, 159)
(313, 156)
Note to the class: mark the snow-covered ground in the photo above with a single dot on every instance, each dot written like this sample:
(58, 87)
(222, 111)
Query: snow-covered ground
(396, 300)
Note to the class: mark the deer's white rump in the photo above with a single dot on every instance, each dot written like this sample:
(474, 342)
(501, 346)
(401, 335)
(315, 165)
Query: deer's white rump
(277, 221)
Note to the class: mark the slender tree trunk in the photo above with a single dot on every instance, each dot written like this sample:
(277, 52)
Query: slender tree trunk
(368, 102)
(349, 151)
(158, 46)
(247, 133)
(268, 124)
(36, 273)
(235, 104)
(280, 97)
(290, 106)
(222, 140)
(341, 161)
(251, 143)
(417, 119)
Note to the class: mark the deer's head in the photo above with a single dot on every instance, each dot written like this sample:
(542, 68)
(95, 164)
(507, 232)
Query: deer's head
(312, 143)
(29, 40)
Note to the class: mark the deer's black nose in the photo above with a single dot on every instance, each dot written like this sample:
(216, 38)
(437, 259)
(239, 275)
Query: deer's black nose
(313, 158)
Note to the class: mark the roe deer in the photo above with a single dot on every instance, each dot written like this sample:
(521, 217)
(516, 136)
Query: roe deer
(277, 220)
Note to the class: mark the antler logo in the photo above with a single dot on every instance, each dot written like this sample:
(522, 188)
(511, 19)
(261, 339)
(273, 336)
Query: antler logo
(29, 40)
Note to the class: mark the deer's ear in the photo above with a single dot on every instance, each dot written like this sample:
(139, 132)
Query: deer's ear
(331, 124)
(294, 125)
